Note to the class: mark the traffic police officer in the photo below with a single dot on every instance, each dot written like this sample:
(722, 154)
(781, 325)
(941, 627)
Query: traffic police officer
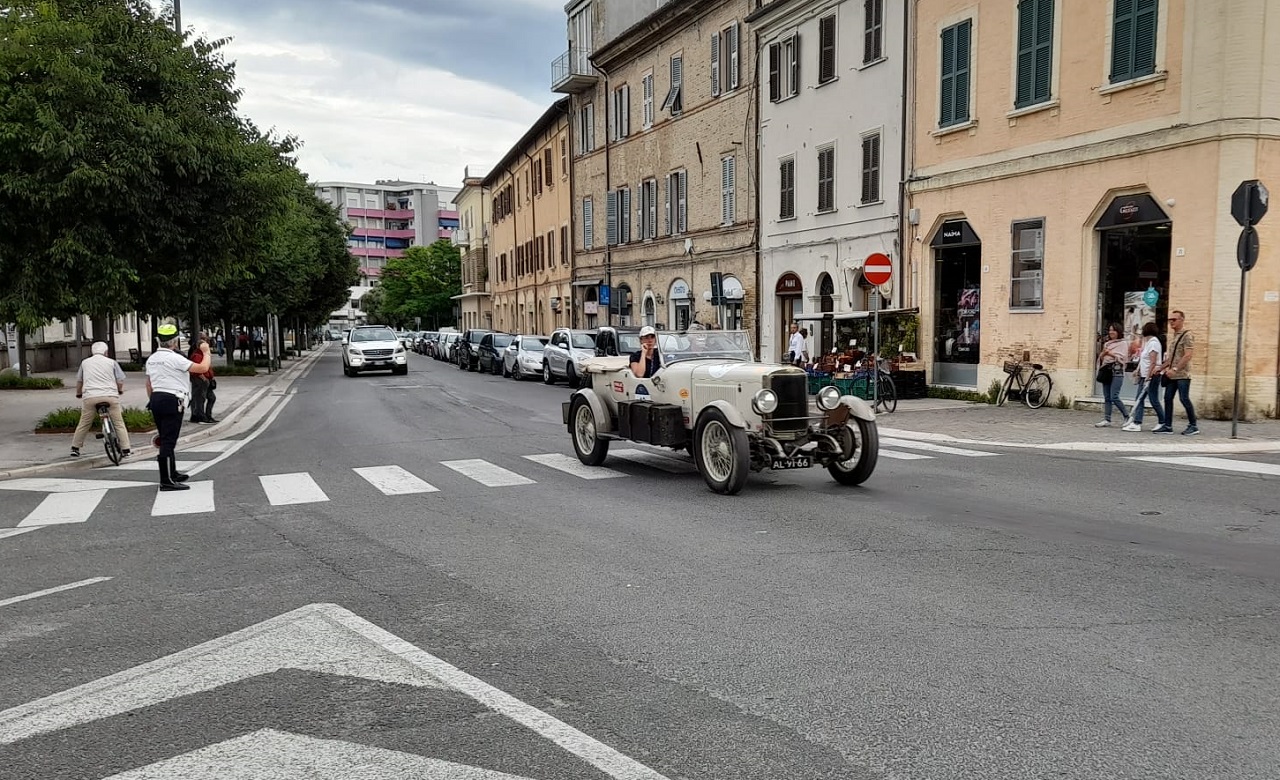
(169, 388)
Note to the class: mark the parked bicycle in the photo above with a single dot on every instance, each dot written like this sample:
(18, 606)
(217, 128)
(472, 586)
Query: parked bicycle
(883, 393)
(1028, 382)
(110, 439)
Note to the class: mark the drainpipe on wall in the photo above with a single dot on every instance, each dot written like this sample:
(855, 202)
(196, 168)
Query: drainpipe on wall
(533, 222)
(608, 183)
(905, 228)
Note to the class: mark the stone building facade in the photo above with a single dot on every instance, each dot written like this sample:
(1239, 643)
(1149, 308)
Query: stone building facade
(529, 252)
(1069, 162)
(664, 167)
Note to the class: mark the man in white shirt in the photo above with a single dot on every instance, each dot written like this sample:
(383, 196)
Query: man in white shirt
(797, 345)
(100, 380)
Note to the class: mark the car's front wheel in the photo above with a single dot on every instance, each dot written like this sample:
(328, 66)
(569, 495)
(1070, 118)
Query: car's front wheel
(400, 370)
(571, 376)
(722, 453)
(547, 377)
(866, 452)
(591, 449)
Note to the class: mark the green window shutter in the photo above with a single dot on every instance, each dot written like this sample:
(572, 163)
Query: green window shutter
(947, 89)
(964, 32)
(1144, 37)
(1122, 41)
(1035, 52)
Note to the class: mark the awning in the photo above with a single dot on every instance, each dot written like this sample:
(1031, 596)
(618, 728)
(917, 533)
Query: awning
(588, 282)
(1132, 210)
(955, 233)
(853, 315)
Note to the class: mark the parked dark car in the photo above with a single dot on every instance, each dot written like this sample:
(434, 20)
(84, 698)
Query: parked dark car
(492, 348)
(469, 348)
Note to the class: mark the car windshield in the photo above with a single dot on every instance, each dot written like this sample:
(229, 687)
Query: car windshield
(501, 340)
(532, 345)
(584, 341)
(373, 334)
(628, 343)
(702, 344)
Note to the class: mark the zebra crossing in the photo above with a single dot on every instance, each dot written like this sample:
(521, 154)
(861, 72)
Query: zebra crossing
(70, 501)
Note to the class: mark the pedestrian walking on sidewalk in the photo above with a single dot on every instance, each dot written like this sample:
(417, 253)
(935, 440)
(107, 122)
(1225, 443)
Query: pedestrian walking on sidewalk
(100, 380)
(1111, 360)
(169, 391)
(199, 382)
(1149, 360)
(1175, 374)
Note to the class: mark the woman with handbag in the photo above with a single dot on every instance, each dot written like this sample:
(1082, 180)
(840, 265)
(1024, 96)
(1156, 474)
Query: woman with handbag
(1152, 355)
(1115, 352)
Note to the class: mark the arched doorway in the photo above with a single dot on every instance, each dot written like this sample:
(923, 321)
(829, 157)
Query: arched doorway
(650, 309)
(1136, 242)
(590, 307)
(789, 292)
(681, 301)
(621, 303)
(825, 339)
(957, 253)
(734, 299)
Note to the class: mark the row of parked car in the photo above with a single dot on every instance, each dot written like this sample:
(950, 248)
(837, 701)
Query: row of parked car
(553, 358)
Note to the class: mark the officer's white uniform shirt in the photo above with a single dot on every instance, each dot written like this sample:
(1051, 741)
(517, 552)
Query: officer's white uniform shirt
(169, 373)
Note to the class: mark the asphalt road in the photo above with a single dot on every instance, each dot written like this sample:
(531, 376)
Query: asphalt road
(965, 614)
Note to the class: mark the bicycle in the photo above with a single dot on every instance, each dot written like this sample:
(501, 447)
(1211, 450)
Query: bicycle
(1033, 385)
(110, 439)
(884, 396)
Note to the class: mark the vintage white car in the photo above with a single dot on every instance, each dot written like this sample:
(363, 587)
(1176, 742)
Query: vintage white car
(734, 415)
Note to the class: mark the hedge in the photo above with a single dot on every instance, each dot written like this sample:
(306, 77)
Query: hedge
(16, 382)
(67, 418)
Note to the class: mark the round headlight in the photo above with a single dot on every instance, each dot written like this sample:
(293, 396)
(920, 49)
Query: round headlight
(765, 401)
(829, 397)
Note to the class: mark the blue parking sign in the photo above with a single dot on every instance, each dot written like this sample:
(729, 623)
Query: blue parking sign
(604, 294)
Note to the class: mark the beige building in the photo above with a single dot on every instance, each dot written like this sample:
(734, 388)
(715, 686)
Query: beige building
(663, 163)
(472, 238)
(528, 223)
(1069, 162)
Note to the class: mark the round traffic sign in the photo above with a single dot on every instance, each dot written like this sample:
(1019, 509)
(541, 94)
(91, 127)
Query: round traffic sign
(878, 269)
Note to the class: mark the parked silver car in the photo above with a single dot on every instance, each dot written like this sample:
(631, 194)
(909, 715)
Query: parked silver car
(523, 357)
(565, 353)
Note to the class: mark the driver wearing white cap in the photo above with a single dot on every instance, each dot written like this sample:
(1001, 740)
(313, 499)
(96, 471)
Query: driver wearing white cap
(646, 362)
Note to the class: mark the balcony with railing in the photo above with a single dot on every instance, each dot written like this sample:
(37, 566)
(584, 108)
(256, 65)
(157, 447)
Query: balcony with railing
(572, 73)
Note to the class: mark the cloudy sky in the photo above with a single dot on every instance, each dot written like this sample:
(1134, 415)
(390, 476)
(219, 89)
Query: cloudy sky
(385, 89)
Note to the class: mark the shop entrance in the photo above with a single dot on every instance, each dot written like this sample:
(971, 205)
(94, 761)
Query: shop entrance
(826, 305)
(957, 254)
(790, 294)
(1135, 247)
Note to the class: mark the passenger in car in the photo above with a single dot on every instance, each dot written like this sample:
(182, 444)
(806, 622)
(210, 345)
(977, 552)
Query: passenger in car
(646, 361)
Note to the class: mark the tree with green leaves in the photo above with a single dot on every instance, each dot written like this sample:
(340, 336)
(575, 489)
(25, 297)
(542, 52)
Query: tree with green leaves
(127, 179)
(423, 283)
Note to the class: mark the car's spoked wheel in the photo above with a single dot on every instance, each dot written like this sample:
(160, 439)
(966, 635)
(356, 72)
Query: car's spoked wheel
(866, 452)
(722, 453)
(591, 449)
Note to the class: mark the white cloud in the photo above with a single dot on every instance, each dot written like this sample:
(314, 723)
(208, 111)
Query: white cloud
(364, 116)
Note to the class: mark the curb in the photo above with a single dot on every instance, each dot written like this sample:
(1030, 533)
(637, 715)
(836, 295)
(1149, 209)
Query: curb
(1165, 444)
(205, 432)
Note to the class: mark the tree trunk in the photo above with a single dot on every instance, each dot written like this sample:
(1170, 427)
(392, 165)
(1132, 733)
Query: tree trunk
(22, 353)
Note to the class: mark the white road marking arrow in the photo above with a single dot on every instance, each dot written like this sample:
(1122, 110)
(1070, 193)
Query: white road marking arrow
(320, 637)
(280, 755)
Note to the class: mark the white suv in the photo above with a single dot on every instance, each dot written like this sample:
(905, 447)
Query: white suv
(373, 348)
(565, 353)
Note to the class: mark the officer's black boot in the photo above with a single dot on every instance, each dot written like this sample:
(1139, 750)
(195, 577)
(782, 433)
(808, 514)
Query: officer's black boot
(173, 470)
(167, 481)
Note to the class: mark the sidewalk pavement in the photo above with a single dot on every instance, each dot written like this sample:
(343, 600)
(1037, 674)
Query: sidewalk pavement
(1014, 425)
(24, 453)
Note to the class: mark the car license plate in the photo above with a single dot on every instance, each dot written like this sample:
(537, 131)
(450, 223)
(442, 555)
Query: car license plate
(798, 462)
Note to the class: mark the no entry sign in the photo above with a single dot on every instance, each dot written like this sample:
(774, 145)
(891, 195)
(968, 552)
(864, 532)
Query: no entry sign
(878, 269)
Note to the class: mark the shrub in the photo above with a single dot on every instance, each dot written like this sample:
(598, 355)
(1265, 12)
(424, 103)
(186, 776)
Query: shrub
(239, 369)
(135, 419)
(133, 366)
(993, 391)
(955, 394)
(16, 382)
(1063, 402)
